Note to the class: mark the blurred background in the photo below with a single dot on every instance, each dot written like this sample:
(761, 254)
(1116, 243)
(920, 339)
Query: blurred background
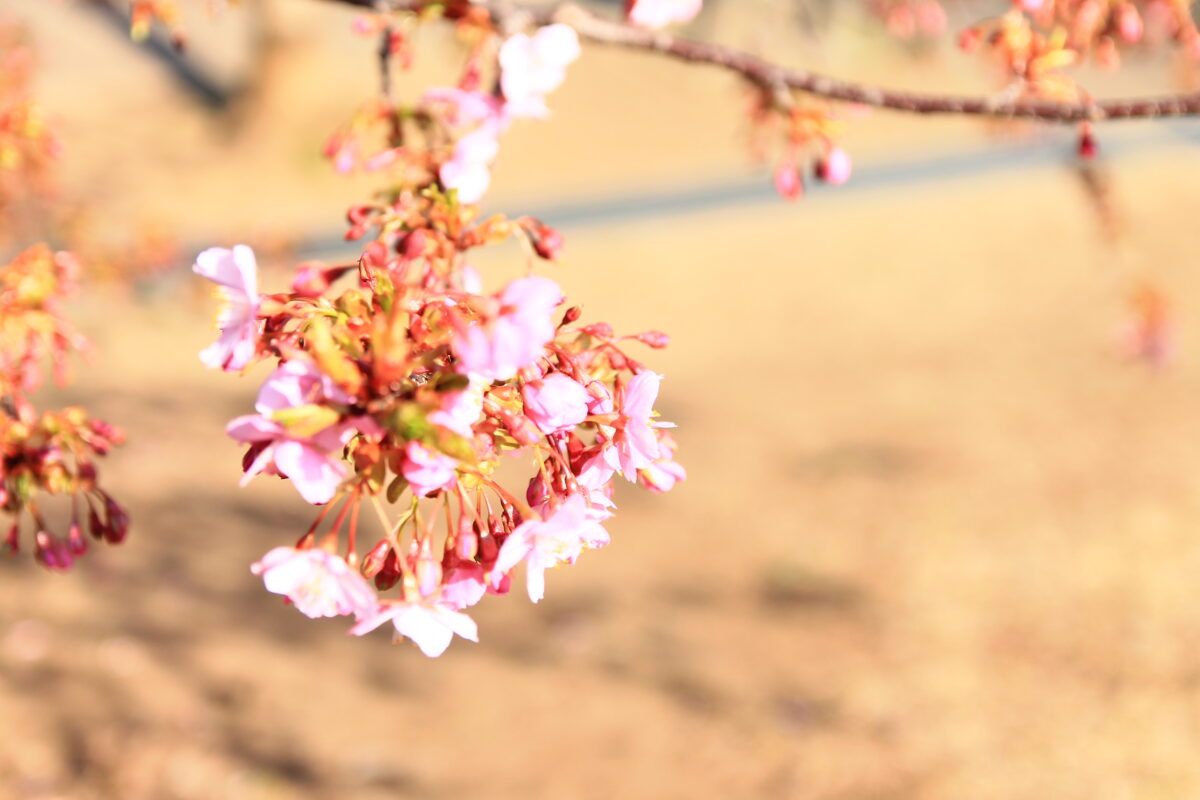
(940, 534)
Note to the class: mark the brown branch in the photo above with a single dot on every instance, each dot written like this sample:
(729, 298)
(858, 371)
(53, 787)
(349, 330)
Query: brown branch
(773, 77)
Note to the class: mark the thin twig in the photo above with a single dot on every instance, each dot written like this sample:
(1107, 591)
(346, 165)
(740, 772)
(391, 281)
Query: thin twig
(771, 76)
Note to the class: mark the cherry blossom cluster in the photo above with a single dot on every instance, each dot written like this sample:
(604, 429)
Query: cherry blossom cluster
(401, 385)
(49, 454)
(1036, 39)
(27, 145)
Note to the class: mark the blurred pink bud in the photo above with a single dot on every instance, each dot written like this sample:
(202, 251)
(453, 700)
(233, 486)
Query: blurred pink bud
(656, 339)
(655, 14)
(788, 181)
(1129, 23)
(835, 168)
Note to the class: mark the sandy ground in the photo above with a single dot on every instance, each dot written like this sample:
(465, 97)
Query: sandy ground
(939, 541)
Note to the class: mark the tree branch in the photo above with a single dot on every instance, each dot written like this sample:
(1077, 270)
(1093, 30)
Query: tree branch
(772, 77)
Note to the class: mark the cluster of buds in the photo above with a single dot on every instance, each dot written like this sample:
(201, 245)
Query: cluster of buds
(401, 384)
(27, 146)
(1036, 39)
(810, 142)
(143, 14)
(47, 454)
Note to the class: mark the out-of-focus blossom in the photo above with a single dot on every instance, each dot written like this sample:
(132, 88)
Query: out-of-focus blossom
(318, 583)
(655, 14)
(531, 67)
(236, 275)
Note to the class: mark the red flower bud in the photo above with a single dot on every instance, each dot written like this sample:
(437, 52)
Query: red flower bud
(601, 330)
(1088, 146)
(572, 314)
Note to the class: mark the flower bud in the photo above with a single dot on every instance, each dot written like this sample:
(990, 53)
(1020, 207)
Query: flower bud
(118, 522)
(76, 542)
(376, 557)
(601, 330)
(835, 167)
(313, 278)
(488, 549)
(1088, 147)
(548, 243)
(468, 542)
(429, 571)
(1129, 23)
(389, 576)
(572, 314)
(12, 541)
(521, 428)
(788, 181)
(656, 339)
(413, 245)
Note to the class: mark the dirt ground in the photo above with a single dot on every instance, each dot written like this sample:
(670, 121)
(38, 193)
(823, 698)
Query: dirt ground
(939, 542)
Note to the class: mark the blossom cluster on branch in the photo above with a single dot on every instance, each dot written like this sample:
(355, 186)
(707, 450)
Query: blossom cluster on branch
(46, 457)
(402, 385)
(48, 453)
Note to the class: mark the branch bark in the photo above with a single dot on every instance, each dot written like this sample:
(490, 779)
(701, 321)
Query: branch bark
(772, 76)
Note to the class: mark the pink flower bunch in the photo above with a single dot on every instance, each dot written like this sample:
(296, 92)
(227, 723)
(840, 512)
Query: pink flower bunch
(403, 389)
(406, 383)
(531, 67)
(48, 453)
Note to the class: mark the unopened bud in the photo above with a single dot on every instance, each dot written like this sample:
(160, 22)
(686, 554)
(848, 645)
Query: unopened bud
(1088, 146)
(835, 167)
(788, 181)
(548, 243)
(429, 571)
(601, 330)
(376, 557)
(656, 339)
(76, 543)
(468, 540)
(413, 245)
(118, 522)
(572, 314)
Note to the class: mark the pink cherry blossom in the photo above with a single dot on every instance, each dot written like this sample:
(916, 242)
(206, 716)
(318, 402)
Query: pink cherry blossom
(429, 624)
(483, 118)
(555, 403)
(464, 585)
(836, 167)
(635, 444)
(311, 460)
(513, 338)
(545, 543)
(459, 411)
(319, 583)
(469, 171)
(655, 14)
(533, 66)
(427, 470)
(236, 275)
(662, 475)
